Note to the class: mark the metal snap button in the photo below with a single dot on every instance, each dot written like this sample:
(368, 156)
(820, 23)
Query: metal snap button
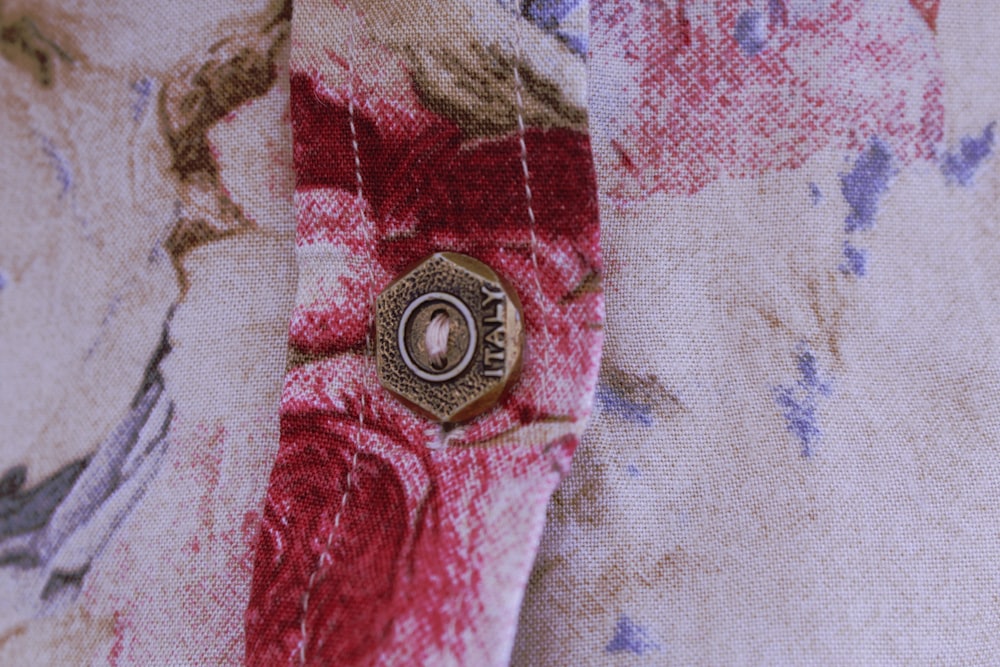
(449, 337)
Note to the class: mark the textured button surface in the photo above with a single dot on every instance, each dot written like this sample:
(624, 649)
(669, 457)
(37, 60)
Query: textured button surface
(449, 337)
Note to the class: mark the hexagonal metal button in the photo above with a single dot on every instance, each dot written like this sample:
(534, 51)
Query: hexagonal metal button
(449, 337)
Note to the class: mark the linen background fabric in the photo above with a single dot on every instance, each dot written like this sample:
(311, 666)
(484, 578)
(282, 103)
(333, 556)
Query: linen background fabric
(794, 455)
(147, 262)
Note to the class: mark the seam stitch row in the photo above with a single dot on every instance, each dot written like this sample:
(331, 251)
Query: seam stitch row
(518, 86)
(325, 558)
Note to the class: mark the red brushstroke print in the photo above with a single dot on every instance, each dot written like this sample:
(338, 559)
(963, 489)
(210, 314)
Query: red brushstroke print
(701, 104)
(929, 10)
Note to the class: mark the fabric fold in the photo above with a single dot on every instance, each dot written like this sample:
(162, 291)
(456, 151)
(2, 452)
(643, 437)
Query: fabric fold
(386, 538)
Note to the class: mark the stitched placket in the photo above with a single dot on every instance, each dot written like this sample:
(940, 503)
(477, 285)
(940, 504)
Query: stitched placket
(393, 532)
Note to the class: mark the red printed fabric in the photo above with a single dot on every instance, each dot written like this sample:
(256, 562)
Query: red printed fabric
(386, 538)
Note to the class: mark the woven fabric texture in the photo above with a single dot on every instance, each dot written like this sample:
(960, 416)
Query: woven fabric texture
(794, 455)
(788, 209)
(147, 272)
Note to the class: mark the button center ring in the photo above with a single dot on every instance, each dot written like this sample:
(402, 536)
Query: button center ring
(401, 336)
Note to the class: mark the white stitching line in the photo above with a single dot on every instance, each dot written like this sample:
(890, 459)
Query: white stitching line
(518, 86)
(325, 558)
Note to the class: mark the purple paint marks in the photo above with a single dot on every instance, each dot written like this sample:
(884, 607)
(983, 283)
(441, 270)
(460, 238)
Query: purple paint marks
(549, 15)
(800, 401)
(613, 402)
(865, 184)
(13, 480)
(630, 638)
(815, 194)
(575, 42)
(960, 166)
(633, 470)
(109, 314)
(777, 13)
(143, 89)
(805, 362)
(3, 280)
(751, 32)
(862, 188)
(64, 173)
(855, 260)
(67, 181)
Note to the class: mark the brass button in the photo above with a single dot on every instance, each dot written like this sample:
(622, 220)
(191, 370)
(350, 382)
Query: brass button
(449, 336)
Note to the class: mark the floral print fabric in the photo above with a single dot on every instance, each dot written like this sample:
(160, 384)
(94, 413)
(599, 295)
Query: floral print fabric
(388, 539)
(796, 420)
(790, 458)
